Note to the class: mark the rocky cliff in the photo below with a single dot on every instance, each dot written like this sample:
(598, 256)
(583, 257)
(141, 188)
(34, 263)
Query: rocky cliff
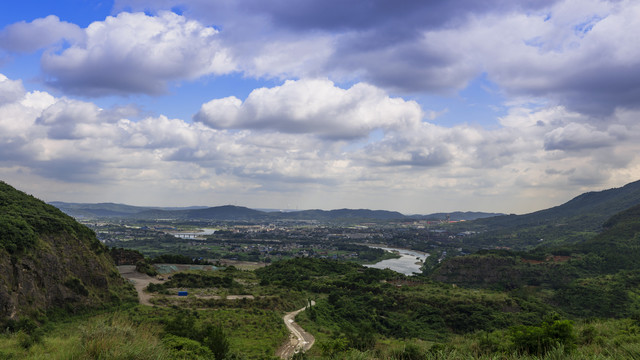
(48, 261)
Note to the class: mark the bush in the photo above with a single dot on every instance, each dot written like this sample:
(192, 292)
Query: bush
(217, 341)
(408, 352)
(538, 340)
(184, 348)
(15, 234)
(143, 267)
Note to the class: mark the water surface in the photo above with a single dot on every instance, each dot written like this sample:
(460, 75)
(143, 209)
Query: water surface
(408, 263)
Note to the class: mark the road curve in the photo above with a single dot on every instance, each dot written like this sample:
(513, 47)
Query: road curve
(299, 340)
(140, 282)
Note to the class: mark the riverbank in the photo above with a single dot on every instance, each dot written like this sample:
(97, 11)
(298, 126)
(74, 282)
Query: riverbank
(409, 262)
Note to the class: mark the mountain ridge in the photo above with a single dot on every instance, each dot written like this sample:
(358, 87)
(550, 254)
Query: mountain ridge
(233, 212)
(571, 222)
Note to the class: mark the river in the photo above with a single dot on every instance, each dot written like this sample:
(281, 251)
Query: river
(408, 263)
(193, 234)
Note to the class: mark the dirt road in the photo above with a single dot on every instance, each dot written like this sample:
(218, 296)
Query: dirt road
(140, 281)
(299, 340)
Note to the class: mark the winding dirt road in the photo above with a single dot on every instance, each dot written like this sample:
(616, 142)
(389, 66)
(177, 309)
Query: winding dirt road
(140, 282)
(299, 340)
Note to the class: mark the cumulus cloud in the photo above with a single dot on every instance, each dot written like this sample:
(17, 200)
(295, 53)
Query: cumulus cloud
(409, 164)
(137, 53)
(313, 106)
(375, 42)
(10, 90)
(579, 54)
(38, 34)
(577, 137)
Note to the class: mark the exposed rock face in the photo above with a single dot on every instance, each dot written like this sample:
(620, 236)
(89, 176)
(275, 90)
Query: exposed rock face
(64, 267)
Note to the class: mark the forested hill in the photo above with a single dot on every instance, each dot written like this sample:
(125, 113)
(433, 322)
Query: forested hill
(49, 261)
(574, 221)
(617, 247)
(598, 277)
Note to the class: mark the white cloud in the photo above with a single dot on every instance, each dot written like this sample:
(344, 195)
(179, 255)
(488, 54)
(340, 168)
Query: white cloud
(577, 137)
(38, 34)
(91, 154)
(136, 53)
(10, 90)
(578, 54)
(314, 106)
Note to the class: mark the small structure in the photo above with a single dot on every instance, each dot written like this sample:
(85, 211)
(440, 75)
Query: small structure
(182, 293)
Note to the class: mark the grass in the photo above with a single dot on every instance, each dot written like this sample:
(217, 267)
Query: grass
(101, 337)
(254, 332)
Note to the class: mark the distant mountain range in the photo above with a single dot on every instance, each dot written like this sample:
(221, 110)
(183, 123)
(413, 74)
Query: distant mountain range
(569, 222)
(239, 213)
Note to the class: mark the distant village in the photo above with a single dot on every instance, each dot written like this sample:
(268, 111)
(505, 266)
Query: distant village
(274, 241)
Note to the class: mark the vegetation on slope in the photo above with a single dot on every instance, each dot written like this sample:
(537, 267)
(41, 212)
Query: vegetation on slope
(573, 222)
(24, 219)
(49, 262)
(595, 278)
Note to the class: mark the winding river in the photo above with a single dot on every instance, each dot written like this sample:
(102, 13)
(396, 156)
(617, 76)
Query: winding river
(408, 263)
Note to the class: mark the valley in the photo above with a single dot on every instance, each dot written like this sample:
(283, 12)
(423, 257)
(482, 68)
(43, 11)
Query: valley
(483, 291)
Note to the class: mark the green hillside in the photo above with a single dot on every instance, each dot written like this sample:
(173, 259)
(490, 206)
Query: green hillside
(599, 277)
(572, 222)
(49, 262)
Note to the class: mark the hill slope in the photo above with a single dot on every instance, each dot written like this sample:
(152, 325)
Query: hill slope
(598, 277)
(574, 221)
(49, 261)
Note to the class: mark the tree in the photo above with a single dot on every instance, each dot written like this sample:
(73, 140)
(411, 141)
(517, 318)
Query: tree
(217, 341)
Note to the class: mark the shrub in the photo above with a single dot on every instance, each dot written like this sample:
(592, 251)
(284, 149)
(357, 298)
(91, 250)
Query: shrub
(217, 341)
(538, 340)
(143, 267)
(183, 348)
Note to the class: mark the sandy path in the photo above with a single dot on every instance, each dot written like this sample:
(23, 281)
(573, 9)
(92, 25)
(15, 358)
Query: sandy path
(140, 282)
(299, 340)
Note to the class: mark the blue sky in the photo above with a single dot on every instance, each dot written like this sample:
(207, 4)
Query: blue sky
(428, 107)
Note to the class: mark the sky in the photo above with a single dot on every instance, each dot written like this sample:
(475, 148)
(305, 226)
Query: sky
(414, 106)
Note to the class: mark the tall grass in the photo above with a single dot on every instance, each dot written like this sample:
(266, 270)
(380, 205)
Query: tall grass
(116, 337)
(105, 337)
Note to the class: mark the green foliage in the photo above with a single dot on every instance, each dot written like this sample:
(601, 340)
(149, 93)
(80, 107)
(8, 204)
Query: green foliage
(116, 337)
(216, 340)
(185, 348)
(539, 340)
(76, 285)
(16, 234)
(408, 352)
(143, 267)
(186, 324)
(178, 259)
(24, 218)
(571, 223)
(334, 346)
(299, 273)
